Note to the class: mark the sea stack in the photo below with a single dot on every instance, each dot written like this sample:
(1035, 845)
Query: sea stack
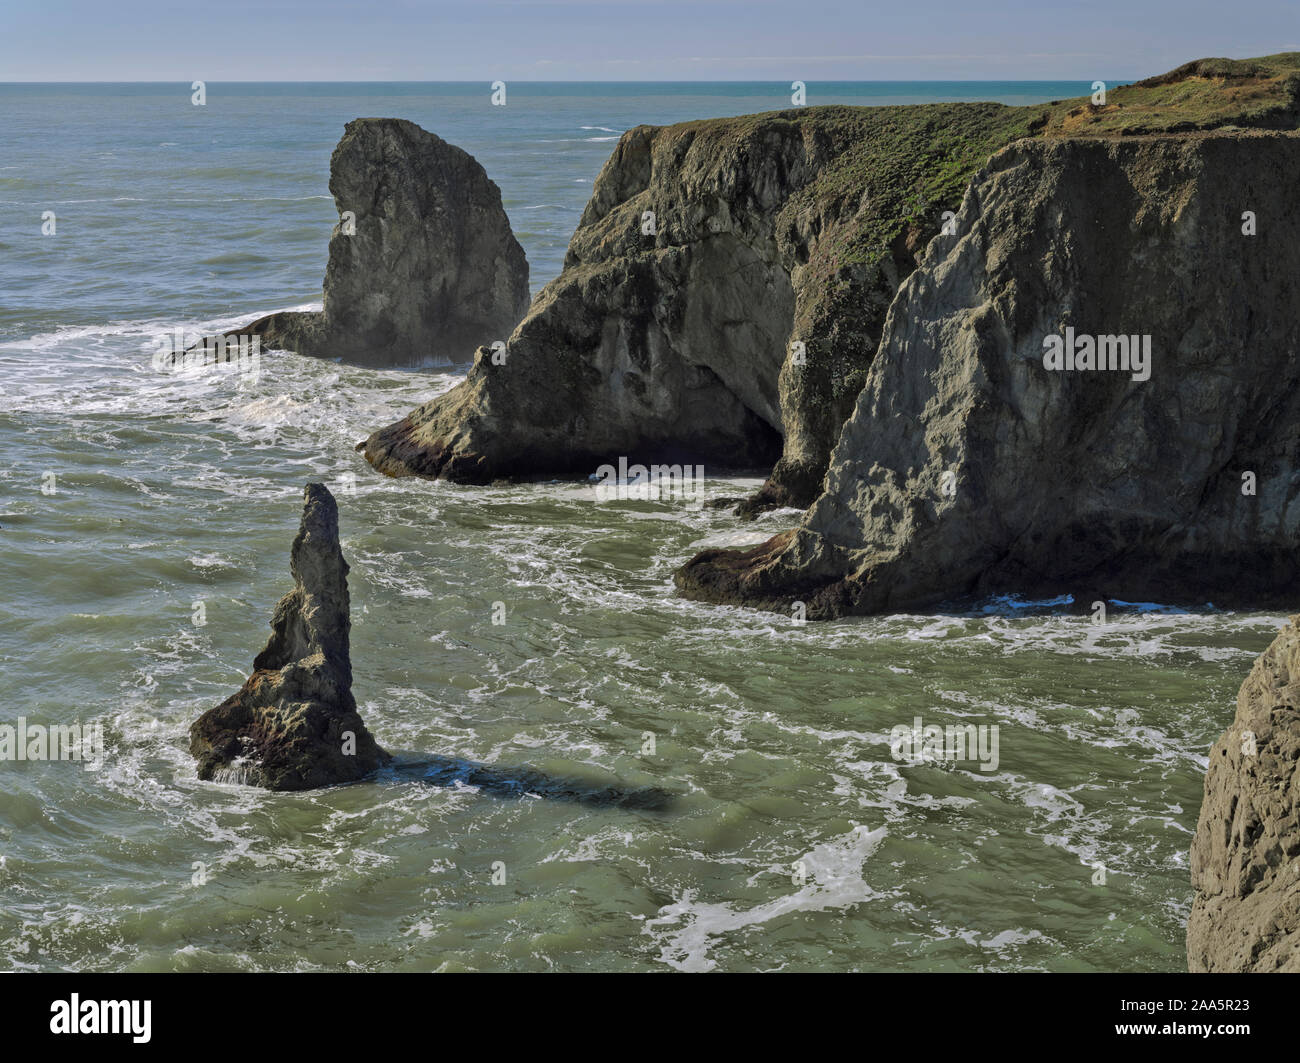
(423, 266)
(294, 724)
(1246, 853)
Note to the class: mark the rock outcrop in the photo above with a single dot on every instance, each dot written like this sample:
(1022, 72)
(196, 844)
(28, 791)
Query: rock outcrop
(969, 466)
(1246, 853)
(294, 724)
(708, 253)
(724, 294)
(424, 271)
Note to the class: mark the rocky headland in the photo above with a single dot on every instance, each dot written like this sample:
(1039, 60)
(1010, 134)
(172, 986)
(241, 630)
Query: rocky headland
(708, 250)
(423, 266)
(725, 296)
(293, 725)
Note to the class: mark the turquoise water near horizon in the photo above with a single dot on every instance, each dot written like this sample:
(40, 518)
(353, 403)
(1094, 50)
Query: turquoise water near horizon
(797, 841)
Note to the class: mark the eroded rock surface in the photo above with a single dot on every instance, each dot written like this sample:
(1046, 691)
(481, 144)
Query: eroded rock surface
(708, 251)
(724, 294)
(1246, 853)
(969, 468)
(432, 270)
(294, 724)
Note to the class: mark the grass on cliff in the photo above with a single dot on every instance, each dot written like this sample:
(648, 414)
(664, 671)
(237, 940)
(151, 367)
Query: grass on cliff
(887, 174)
(913, 162)
(1259, 93)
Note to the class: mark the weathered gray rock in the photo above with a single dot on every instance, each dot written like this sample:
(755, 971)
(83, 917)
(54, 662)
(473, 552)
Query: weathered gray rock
(294, 724)
(969, 468)
(724, 294)
(432, 270)
(670, 338)
(1246, 853)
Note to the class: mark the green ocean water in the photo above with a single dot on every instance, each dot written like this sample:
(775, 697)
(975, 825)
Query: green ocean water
(795, 841)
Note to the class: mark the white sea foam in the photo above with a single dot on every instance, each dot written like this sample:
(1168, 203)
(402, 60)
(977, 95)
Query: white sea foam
(688, 929)
(774, 735)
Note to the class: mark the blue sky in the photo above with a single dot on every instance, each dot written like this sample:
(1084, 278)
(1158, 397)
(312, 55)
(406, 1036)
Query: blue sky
(728, 40)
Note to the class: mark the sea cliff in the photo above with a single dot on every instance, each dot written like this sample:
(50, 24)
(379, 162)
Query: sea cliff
(725, 294)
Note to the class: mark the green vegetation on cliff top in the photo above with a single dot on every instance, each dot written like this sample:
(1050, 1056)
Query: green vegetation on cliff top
(912, 162)
(883, 176)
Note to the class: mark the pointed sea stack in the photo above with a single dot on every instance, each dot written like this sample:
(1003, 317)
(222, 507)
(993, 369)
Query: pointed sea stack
(294, 724)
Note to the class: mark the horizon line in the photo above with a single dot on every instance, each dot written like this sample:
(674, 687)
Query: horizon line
(582, 81)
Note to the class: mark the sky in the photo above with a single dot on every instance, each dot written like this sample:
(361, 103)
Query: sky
(628, 40)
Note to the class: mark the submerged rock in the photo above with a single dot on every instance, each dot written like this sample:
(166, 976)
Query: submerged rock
(432, 270)
(294, 724)
(972, 465)
(1246, 853)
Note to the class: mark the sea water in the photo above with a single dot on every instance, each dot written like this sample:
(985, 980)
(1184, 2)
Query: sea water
(145, 525)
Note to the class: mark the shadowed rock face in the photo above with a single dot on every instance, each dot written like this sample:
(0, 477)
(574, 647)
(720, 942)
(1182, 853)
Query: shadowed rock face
(1246, 853)
(744, 322)
(431, 272)
(669, 338)
(286, 728)
(968, 467)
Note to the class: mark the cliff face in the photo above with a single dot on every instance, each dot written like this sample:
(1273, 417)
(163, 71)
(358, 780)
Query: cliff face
(1246, 854)
(724, 295)
(707, 250)
(969, 466)
(432, 269)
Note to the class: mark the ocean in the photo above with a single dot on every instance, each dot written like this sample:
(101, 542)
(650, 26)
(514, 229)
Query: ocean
(145, 525)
